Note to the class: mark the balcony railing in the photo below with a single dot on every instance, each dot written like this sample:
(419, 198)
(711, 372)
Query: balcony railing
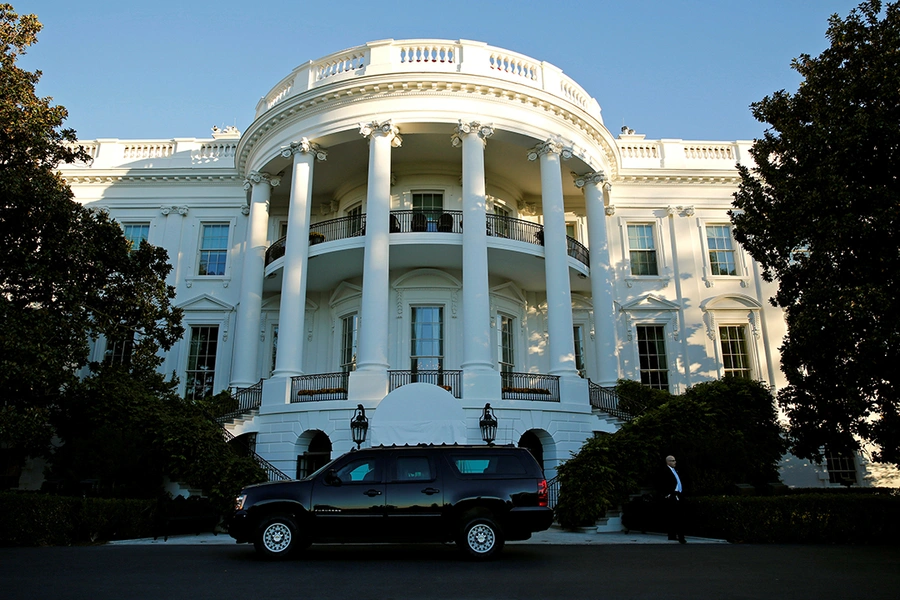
(449, 380)
(529, 386)
(606, 400)
(315, 388)
(243, 401)
(424, 221)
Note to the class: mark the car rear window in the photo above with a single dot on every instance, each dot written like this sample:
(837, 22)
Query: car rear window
(488, 465)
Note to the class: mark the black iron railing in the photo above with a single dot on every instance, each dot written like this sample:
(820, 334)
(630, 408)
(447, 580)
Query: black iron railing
(449, 380)
(553, 492)
(243, 401)
(607, 400)
(314, 388)
(529, 386)
(422, 221)
(273, 473)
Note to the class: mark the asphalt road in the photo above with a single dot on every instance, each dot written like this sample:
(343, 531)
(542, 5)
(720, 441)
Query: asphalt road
(385, 572)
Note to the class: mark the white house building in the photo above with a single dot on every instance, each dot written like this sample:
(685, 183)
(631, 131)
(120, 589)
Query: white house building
(424, 227)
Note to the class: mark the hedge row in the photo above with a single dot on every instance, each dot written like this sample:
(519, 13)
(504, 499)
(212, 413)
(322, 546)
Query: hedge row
(790, 519)
(29, 519)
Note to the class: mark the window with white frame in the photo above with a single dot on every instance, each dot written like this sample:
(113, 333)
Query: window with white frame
(349, 331)
(213, 248)
(274, 348)
(642, 249)
(841, 468)
(201, 367)
(501, 222)
(118, 351)
(735, 354)
(354, 224)
(431, 206)
(654, 364)
(506, 353)
(427, 338)
(136, 233)
(720, 245)
(578, 333)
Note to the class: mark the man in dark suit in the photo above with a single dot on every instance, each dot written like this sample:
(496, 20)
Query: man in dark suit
(671, 491)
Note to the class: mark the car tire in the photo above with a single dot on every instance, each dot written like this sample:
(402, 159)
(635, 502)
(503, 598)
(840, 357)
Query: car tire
(480, 538)
(278, 537)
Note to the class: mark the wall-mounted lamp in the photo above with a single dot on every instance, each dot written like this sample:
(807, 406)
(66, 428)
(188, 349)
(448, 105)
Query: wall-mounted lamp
(488, 424)
(359, 426)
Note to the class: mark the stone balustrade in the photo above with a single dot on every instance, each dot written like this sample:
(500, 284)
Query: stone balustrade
(429, 56)
(176, 153)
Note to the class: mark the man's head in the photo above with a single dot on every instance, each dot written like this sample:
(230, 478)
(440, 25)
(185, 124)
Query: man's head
(670, 460)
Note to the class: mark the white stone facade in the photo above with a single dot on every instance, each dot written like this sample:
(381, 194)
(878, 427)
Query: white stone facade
(470, 189)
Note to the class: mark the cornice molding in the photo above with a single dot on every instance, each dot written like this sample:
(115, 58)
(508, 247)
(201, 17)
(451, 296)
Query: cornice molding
(343, 94)
(192, 178)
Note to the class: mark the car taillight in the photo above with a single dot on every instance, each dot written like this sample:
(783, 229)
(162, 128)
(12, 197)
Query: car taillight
(543, 493)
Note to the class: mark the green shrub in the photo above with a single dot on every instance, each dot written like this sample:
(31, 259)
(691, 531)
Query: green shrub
(796, 518)
(30, 519)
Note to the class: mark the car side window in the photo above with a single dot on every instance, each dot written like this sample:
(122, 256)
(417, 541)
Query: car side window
(412, 468)
(360, 470)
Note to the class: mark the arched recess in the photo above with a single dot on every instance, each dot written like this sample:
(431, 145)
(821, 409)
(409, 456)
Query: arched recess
(313, 451)
(539, 443)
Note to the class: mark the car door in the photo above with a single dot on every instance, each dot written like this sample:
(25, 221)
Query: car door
(414, 497)
(348, 499)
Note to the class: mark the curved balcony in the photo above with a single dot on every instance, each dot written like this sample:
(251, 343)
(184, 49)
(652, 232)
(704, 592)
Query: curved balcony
(437, 221)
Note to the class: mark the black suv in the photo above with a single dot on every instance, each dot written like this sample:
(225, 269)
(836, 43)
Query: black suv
(476, 496)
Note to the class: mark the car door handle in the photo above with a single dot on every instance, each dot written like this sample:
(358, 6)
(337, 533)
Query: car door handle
(430, 491)
(372, 493)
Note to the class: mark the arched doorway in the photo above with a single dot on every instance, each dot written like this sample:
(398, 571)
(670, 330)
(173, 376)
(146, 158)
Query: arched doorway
(532, 442)
(316, 455)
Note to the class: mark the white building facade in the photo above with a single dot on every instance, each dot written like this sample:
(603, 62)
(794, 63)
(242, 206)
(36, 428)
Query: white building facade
(424, 227)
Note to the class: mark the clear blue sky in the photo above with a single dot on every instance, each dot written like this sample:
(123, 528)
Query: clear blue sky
(667, 68)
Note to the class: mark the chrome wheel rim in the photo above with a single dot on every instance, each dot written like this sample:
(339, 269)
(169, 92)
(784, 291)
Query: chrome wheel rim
(481, 538)
(277, 537)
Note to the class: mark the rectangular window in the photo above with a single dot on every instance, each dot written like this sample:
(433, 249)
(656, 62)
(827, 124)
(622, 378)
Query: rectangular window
(735, 359)
(841, 468)
(652, 356)
(427, 339)
(213, 248)
(201, 368)
(274, 348)
(427, 209)
(136, 233)
(501, 222)
(579, 349)
(349, 329)
(118, 352)
(354, 221)
(506, 344)
(721, 250)
(642, 250)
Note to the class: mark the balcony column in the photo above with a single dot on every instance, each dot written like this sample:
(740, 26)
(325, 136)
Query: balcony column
(247, 338)
(556, 259)
(292, 312)
(370, 380)
(602, 288)
(480, 377)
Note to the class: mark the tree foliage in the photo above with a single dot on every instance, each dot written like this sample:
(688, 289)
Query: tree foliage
(821, 213)
(67, 274)
(722, 432)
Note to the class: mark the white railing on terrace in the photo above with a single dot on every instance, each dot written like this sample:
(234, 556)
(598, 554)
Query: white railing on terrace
(709, 151)
(173, 153)
(151, 150)
(429, 56)
(681, 154)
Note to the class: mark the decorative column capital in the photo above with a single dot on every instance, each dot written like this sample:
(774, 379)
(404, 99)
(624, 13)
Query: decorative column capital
(595, 177)
(304, 146)
(258, 177)
(482, 131)
(550, 147)
(181, 210)
(385, 129)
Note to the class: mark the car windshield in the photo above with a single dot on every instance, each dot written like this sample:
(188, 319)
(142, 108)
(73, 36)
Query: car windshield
(321, 469)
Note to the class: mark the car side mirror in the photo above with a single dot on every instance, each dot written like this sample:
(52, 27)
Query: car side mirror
(331, 478)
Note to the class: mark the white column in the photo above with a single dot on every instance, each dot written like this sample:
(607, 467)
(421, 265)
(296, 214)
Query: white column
(370, 380)
(602, 287)
(289, 359)
(247, 338)
(556, 259)
(480, 377)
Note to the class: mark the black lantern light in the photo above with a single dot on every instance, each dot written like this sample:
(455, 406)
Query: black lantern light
(488, 424)
(359, 426)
